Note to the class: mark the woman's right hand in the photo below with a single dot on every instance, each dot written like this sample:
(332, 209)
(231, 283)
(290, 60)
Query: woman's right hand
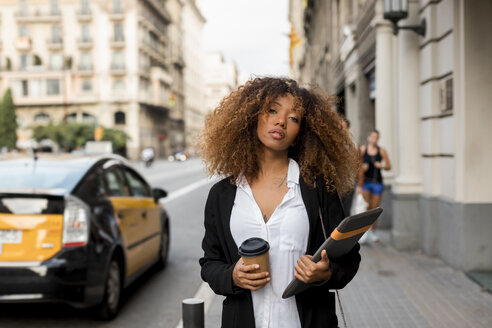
(242, 277)
(365, 167)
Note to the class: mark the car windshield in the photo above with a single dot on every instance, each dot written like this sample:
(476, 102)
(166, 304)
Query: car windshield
(44, 177)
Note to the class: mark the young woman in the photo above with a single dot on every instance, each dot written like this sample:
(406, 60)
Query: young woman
(371, 181)
(286, 157)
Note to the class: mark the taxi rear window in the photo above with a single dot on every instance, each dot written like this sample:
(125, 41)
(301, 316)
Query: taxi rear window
(24, 177)
(21, 204)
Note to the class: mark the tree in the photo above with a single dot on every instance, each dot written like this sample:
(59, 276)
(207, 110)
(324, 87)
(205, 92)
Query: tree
(118, 138)
(8, 121)
(70, 136)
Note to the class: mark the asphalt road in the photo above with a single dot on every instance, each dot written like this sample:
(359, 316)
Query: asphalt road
(154, 300)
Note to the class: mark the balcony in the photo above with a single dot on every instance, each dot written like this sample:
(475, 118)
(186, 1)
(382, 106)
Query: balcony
(118, 69)
(161, 75)
(54, 44)
(84, 43)
(117, 42)
(148, 22)
(153, 51)
(85, 69)
(38, 16)
(23, 43)
(117, 15)
(178, 61)
(160, 9)
(84, 15)
(118, 96)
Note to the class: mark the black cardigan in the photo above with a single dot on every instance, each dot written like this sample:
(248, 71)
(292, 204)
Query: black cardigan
(316, 306)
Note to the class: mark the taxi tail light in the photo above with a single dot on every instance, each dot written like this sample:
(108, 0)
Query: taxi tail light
(75, 222)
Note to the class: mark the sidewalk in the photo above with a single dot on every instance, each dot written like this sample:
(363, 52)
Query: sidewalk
(398, 289)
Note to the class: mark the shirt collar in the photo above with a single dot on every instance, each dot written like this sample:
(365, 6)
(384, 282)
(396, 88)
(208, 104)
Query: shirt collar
(292, 173)
(292, 176)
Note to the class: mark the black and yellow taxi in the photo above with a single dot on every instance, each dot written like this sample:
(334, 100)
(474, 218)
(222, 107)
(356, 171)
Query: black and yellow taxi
(77, 229)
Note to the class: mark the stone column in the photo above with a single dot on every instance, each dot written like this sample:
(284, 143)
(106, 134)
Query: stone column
(408, 180)
(384, 107)
(384, 83)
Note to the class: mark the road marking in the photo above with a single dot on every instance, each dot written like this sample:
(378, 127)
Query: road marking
(189, 188)
(174, 172)
(206, 294)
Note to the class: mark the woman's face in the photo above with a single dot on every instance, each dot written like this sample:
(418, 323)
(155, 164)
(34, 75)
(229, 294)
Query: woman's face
(373, 138)
(279, 126)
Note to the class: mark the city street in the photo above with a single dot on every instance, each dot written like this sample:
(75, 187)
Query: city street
(391, 289)
(154, 300)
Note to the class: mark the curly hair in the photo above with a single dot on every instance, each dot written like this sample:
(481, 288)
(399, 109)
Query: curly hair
(229, 144)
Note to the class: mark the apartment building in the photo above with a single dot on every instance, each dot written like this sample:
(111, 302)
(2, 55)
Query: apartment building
(104, 62)
(221, 78)
(194, 79)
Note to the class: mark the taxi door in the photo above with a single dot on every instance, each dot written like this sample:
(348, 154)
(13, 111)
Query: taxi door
(149, 230)
(127, 214)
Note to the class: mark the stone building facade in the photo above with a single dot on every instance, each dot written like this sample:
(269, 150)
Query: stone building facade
(112, 63)
(194, 79)
(221, 78)
(428, 96)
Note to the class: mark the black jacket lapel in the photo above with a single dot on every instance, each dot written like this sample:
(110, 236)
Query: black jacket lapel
(227, 196)
(310, 198)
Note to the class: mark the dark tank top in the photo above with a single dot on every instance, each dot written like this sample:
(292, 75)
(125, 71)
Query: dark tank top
(373, 174)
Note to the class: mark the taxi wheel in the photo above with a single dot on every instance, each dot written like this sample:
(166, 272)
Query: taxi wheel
(164, 249)
(108, 309)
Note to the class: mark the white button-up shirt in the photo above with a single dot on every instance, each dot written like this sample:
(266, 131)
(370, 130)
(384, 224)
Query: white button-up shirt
(287, 232)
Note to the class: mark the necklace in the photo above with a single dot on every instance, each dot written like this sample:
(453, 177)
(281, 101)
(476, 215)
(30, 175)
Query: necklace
(277, 185)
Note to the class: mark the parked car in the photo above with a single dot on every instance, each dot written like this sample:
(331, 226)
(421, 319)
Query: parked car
(177, 156)
(77, 229)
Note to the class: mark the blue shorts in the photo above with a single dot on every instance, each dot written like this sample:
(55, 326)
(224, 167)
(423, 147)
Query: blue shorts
(374, 188)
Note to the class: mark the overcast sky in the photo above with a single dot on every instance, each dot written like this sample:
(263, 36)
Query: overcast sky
(251, 33)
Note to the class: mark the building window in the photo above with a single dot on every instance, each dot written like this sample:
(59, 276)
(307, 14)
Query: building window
(23, 7)
(118, 32)
(56, 61)
(26, 60)
(119, 87)
(117, 9)
(56, 34)
(145, 87)
(53, 87)
(144, 62)
(71, 117)
(88, 118)
(118, 60)
(86, 36)
(84, 7)
(119, 118)
(42, 118)
(55, 9)
(86, 85)
(35, 88)
(23, 31)
(25, 88)
(85, 61)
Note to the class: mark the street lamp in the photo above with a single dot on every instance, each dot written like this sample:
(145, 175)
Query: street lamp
(394, 10)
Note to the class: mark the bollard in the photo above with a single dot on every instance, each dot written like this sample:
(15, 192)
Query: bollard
(193, 313)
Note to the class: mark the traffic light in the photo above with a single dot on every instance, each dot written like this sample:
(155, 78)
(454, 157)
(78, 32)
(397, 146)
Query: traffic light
(172, 100)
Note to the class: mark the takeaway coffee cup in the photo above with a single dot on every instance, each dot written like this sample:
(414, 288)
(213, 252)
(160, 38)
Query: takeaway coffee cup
(255, 251)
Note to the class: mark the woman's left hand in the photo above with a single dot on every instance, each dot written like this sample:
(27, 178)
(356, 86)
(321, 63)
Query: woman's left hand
(309, 272)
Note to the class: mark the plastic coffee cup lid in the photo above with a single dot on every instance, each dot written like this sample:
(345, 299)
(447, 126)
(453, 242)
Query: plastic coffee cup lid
(253, 247)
